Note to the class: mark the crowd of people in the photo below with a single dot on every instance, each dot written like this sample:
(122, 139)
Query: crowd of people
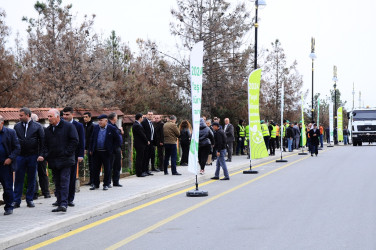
(29, 148)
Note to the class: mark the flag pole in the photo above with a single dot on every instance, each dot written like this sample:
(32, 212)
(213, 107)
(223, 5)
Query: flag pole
(282, 126)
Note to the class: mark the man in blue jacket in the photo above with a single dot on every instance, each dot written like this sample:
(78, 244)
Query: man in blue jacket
(80, 152)
(9, 150)
(103, 142)
(116, 157)
(60, 144)
(31, 137)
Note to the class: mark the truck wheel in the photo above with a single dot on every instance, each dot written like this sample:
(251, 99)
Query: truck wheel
(355, 143)
(360, 143)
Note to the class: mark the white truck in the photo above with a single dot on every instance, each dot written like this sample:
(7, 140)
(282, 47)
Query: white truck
(362, 125)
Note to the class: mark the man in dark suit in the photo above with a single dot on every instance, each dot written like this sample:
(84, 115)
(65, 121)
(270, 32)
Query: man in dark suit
(140, 143)
(159, 140)
(104, 140)
(230, 138)
(80, 152)
(31, 137)
(147, 124)
(116, 157)
(9, 150)
(314, 134)
(88, 128)
(60, 144)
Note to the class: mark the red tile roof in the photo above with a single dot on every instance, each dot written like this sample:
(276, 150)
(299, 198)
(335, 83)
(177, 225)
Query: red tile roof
(11, 114)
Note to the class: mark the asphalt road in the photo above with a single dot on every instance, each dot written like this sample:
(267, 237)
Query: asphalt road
(324, 202)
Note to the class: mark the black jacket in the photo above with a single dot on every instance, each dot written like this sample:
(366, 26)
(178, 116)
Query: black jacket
(80, 151)
(219, 140)
(158, 133)
(290, 132)
(112, 141)
(185, 136)
(145, 124)
(88, 128)
(139, 137)
(60, 145)
(33, 142)
(314, 136)
(11, 145)
(230, 133)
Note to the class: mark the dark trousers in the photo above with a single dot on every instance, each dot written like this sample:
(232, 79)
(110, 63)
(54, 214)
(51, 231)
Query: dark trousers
(170, 151)
(43, 178)
(91, 167)
(240, 145)
(229, 147)
(266, 140)
(6, 180)
(272, 146)
(25, 164)
(139, 159)
(102, 158)
(203, 153)
(277, 141)
(160, 150)
(185, 152)
(116, 166)
(72, 182)
(61, 178)
(148, 152)
(314, 149)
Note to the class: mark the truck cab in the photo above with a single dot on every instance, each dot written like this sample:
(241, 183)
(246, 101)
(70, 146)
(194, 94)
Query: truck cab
(362, 126)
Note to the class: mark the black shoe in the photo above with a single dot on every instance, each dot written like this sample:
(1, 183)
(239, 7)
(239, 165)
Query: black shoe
(55, 204)
(165, 173)
(176, 173)
(155, 170)
(59, 209)
(228, 160)
(215, 178)
(110, 186)
(225, 179)
(46, 196)
(8, 212)
(105, 188)
(142, 175)
(71, 203)
(118, 185)
(149, 173)
(93, 187)
(316, 155)
(16, 205)
(183, 164)
(312, 155)
(30, 204)
(88, 184)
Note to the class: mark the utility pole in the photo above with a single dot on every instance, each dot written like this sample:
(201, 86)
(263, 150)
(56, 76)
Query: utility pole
(353, 93)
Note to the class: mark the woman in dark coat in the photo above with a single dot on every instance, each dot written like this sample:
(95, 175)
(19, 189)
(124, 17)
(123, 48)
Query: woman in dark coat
(314, 134)
(206, 140)
(185, 141)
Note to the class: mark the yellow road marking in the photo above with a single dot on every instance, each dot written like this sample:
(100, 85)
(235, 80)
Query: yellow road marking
(99, 222)
(190, 209)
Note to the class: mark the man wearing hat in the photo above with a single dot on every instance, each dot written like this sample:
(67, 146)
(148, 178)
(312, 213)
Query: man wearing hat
(265, 133)
(103, 142)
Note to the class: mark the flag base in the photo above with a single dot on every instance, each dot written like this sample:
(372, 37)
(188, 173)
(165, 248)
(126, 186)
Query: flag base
(250, 172)
(303, 154)
(197, 193)
(281, 160)
(329, 146)
(319, 149)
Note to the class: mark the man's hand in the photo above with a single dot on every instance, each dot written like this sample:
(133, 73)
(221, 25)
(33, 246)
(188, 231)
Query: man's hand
(161, 144)
(91, 152)
(80, 159)
(8, 161)
(148, 142)
(122, 130)
(40, 158)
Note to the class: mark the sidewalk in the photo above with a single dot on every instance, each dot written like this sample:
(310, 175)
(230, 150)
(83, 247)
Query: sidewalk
(28, 223)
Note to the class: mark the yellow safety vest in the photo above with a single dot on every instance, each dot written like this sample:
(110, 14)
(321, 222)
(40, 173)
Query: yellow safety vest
(274, 132)
(241, 131)
(265, 130)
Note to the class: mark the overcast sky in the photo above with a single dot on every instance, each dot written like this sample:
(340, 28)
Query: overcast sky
(344, 32)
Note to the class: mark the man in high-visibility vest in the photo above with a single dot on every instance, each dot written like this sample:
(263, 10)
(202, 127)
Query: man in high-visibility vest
(247, 141)
(265, 133)
(284, 126)
(273, 136)
(277, 135)
(240, 137)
